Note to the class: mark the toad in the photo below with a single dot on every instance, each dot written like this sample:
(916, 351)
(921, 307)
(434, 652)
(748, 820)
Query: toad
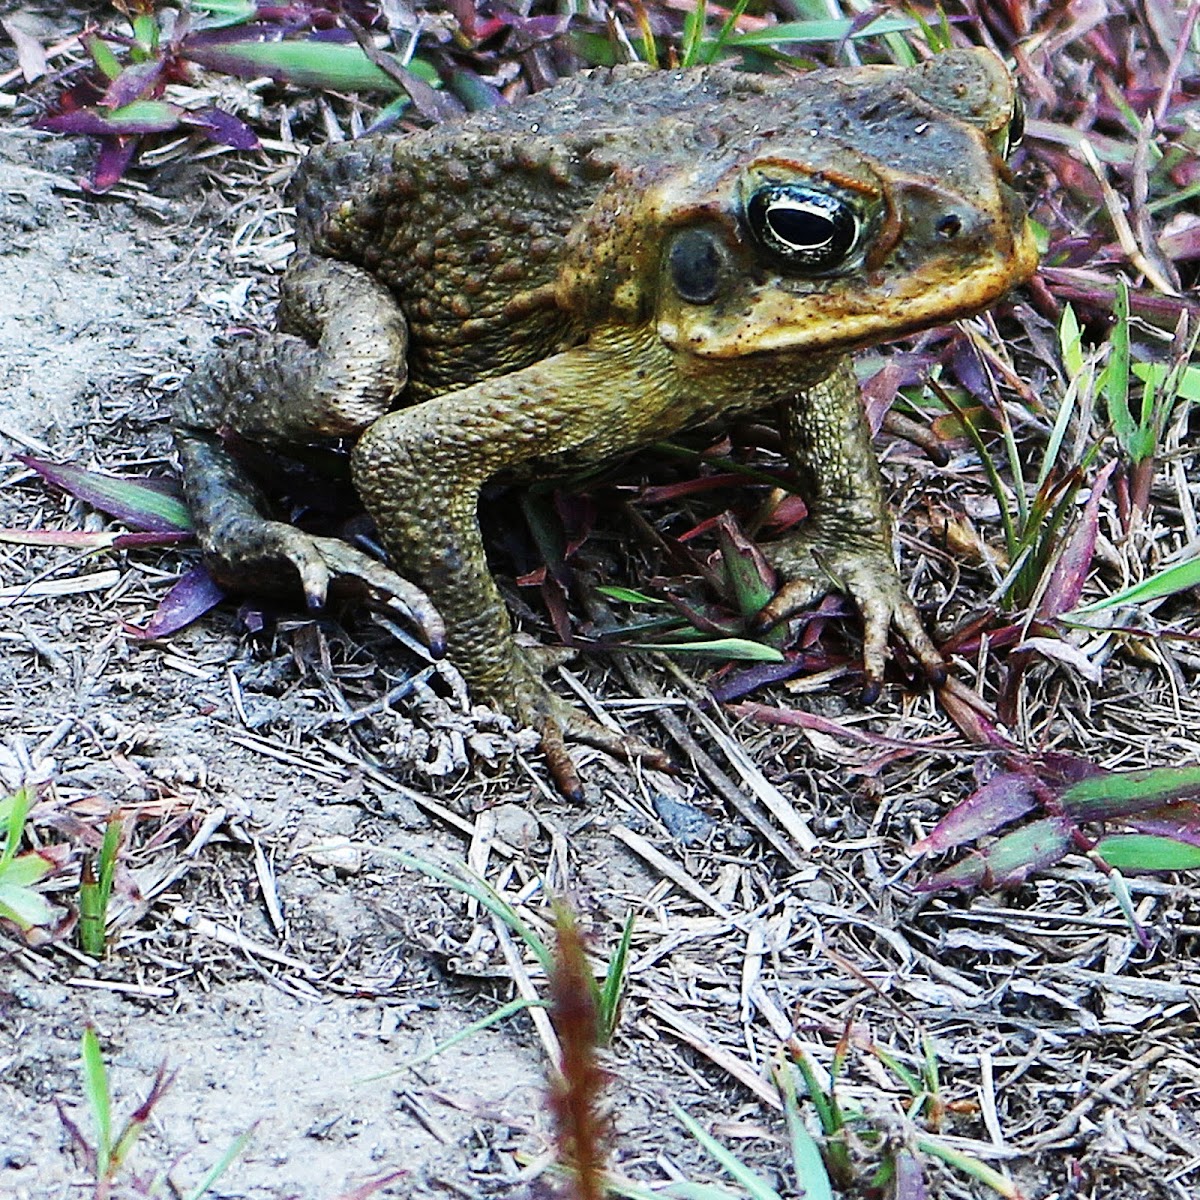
(594, 268)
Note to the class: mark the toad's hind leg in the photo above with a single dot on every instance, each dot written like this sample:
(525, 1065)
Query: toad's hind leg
(337, 364)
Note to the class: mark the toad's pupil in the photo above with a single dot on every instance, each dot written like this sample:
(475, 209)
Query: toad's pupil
(801, 226)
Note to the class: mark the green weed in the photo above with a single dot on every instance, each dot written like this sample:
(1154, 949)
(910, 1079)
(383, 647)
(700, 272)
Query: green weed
(20, 900)
(109, 1156)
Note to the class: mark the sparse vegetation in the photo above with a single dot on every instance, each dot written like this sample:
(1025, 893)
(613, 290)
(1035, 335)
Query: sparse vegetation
(108, 1156)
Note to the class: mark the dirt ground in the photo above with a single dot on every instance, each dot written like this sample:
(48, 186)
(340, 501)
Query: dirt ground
(288, 978)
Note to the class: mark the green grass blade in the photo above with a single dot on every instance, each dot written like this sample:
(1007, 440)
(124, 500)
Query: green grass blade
(739, 649)
(758, 1187)
(627, 595)
(103, 56)
(1187, 380)
(20, 904)
(91, 913)
(613, 989)
(468, 1031)
(222, 1164)
(338, 66)
(1070, 342)
(827, 1112)
(834, 30)
(714, 48)
(483, 893)
(693, 34)
(1116, 376)
(130, 1132)
(95, 1090)
(1147, 852)
(969, 1165)
(27, 869)
(1015, 469)
(989, 467)
(909, 1078)
(812, 1179)
(1120, 889)
(1116, 794)
(1081, 383)
(95, 892)
(1177, 578)
(17, 807)
(145, 30)
(108, 858)
(1144, 440)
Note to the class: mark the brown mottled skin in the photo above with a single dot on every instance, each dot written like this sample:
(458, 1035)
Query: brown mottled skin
(592, 269)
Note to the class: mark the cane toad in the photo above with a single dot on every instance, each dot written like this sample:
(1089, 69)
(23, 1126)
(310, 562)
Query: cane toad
(592, 269)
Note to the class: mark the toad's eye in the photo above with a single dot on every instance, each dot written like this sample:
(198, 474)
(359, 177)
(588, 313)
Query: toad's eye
(810, 229)
(1008, 137)
(1015, 130)
(1016, 124)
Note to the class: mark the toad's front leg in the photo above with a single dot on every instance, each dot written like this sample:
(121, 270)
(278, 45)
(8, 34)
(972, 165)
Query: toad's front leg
(847, 539)
(419, 472)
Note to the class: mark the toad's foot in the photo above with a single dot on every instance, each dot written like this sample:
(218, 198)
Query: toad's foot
(814, 565)
(262, 555)
(246, 551)
(530, 701)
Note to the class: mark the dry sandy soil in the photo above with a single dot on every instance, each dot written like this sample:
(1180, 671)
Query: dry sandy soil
(289, 979)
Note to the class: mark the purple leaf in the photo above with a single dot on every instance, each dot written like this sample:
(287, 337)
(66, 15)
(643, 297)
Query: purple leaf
(969, 370)
(189, 598)
(1071, 570)
(1060, 771)
(1180, 240)
(141, 116)
(958, 703)
(134, 83)
(1179, 821)
(116, 153)
(142, 503)
(910, 1177)
(535, 29)
(1008, 862)
(129, 541)
(222, 127)
(740, 683)
(1003, 799)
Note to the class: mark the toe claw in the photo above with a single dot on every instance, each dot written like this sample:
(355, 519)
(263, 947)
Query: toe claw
(271, 555)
